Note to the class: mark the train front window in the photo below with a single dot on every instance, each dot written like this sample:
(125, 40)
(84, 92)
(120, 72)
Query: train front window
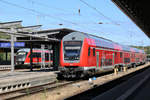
(21, 53)
(72, 50)
(21, 56)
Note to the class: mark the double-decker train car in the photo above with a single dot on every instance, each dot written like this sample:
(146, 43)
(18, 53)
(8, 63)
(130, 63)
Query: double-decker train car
(23, 57)
(83, 54)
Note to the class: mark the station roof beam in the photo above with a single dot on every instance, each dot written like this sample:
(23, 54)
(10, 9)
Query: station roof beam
(8, 31)
(55, 33)
(28, 29)
(138, 11)
(14, 24)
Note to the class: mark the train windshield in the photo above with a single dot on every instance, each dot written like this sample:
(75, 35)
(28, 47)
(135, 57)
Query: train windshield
(21, 54)
(72, 50)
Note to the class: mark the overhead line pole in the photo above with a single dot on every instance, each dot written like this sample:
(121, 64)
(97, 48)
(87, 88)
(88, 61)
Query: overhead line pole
(12, 49)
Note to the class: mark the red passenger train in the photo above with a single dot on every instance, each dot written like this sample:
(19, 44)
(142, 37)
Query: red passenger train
(23, 57)
(82, 54)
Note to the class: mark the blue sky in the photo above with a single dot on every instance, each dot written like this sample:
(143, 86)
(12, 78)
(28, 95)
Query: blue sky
(50, 13)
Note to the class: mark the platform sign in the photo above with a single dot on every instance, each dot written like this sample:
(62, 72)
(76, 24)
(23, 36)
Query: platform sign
(5, 45)
(8, 45)
(19, 44)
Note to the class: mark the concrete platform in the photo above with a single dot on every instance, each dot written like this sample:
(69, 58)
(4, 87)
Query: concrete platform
(11, 81)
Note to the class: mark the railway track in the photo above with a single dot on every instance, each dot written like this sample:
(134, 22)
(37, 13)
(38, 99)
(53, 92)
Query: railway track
(29, 91)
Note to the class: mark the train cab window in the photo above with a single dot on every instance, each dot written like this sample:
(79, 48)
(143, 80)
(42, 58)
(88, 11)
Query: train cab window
(21, 53)
(120, 54)
(72, 50)
(89, 51)
(93, 51)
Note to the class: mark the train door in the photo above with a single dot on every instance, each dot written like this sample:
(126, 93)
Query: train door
(113, 57)
(97, 59)
(102, 59)
(49, 63)
(121, 57)
(116, 56)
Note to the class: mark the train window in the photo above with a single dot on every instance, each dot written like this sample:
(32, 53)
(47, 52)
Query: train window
(89, 51)
(127, 60)
(38, 55)
(21, 53)
(46, 56)
(35, 54)
(93, 51)
(120, 54)
(133, 55)
(51, 56)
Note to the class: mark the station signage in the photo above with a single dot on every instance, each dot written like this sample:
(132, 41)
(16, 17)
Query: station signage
(8, 44)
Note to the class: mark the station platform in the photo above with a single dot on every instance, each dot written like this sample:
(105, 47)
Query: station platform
(11, 81)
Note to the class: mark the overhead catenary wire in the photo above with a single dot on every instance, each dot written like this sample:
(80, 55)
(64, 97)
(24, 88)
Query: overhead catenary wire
(55, 8)
(100, 13)
(37, 12)
(33, 11)
(90, 6)
(47, 6)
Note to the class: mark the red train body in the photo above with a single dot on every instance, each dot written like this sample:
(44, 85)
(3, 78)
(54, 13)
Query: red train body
(83, 54)
(23, 57)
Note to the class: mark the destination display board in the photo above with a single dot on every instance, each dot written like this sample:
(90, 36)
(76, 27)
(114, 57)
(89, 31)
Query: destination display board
(72, 43)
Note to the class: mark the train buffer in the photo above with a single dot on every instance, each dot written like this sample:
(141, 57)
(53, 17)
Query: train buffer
(12, 81)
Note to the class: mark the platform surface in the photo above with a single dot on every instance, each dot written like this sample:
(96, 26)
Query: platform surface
(24, 78)
(16, 75)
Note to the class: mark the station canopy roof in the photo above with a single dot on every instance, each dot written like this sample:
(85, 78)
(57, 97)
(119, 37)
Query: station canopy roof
(138, 11)
(6, 29)
(54, 34)
(31, 33)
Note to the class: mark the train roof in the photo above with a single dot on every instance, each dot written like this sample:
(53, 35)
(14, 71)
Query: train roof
(102, 42)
